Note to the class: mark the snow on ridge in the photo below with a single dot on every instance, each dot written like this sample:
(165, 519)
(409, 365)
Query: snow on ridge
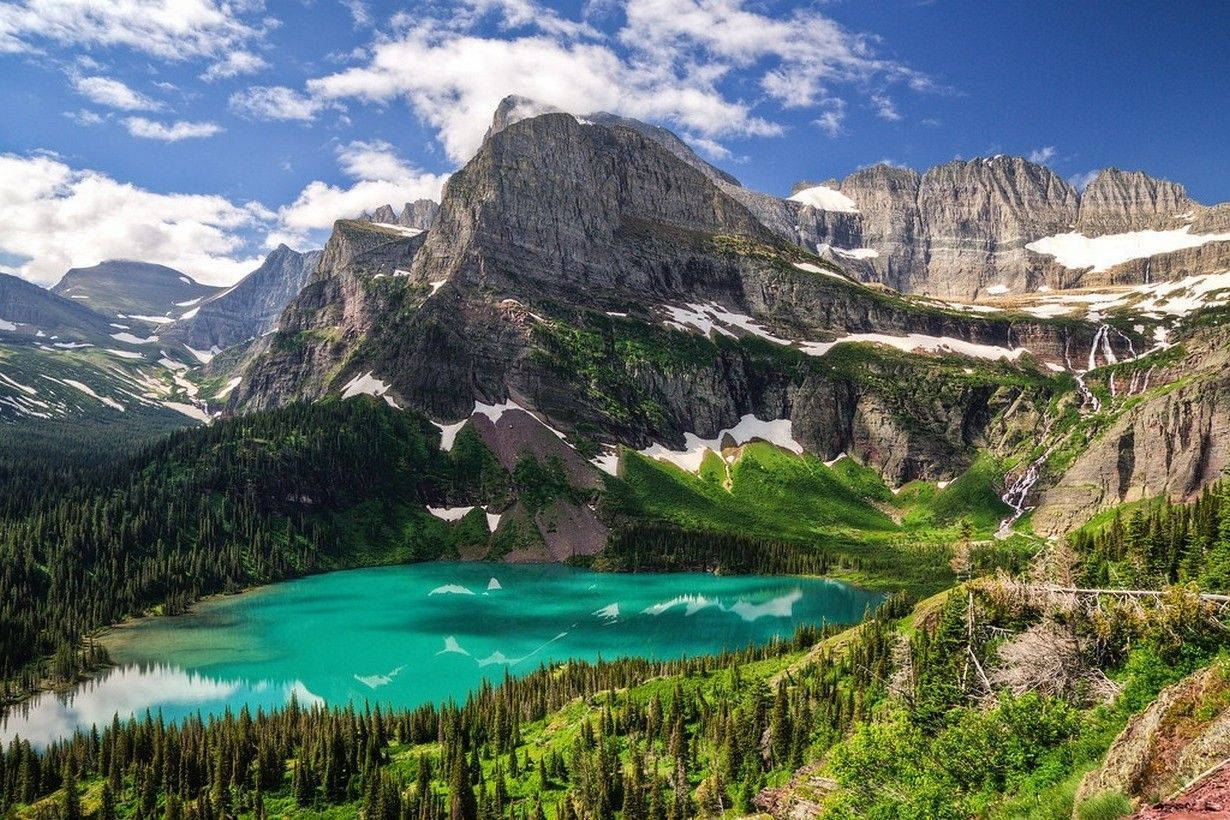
(123, 354)
(824, 198)
(153, 320)
(810, 268)
(914, 342)
(5, 324)
(1075, 250)
(401, 229)
(128, 338)
(749, 427)
(367, 384)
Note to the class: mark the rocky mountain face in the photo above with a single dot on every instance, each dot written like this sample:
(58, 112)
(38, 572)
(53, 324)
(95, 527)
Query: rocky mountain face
(249, 308)
(420, 215)
(1173, 443)
(963, 230)
(563, 258)
(120, 288)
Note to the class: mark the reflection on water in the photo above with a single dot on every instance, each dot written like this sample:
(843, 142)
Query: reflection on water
(407, 635)
(129, 691)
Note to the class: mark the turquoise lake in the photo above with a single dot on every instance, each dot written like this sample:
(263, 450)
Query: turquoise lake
(408, 635)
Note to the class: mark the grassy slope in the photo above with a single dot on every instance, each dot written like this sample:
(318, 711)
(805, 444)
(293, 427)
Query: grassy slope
(886, 541)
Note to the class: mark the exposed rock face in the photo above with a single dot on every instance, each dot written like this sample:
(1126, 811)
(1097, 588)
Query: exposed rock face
(977, 217)
(330, 316)
(248, 309)
(421, 214)
(1122, 201)
(1182, 733)
(557, 221)
(1172, 444)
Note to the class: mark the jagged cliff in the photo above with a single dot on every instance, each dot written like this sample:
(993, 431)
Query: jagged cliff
(560, 255)
(249, 308)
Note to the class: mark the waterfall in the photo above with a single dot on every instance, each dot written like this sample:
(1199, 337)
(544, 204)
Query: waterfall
(1016, 495)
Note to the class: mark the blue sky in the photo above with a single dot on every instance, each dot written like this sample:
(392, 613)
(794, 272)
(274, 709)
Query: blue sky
(201, 132)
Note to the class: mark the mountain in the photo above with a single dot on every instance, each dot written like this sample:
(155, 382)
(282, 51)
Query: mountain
(990, 226)
(26, 308)
(247, 309)
(419, 215)
(123, 288)
(619, 292)
(571, 266)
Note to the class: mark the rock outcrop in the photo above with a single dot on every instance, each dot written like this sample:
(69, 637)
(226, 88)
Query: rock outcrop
(1182, 733)
(249, 308)
(558, 222)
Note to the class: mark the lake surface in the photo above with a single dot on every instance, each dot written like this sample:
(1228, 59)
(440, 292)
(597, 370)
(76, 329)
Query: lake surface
(424, 633)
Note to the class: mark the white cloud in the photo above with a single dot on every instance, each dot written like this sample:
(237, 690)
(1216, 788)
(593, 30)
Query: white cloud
(436, 72)
(885, 108)
(830, 121)
(170, 132)
(113, 94)
(84, 116)
(360, 12)
(668, 63)
(274, 102)
(234, 64)
(1081, 181)
(380, 177)
(43, 201)
(169, 29)
(1042, 155)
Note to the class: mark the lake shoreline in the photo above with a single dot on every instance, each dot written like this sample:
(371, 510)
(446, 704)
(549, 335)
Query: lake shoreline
(100, 635)
(338, 637)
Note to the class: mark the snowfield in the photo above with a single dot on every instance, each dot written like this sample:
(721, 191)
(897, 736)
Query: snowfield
(824, 198)
(1075, 250)
(779, 432)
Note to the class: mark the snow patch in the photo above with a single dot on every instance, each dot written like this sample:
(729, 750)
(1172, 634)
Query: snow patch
(369, 385)
(1075, 250)
(123, 354)
(915, 342)
(824, 198)
(128, 338)
(810, 268)
(749, 428)
(89, 392)
(450, 513)
(231, 385)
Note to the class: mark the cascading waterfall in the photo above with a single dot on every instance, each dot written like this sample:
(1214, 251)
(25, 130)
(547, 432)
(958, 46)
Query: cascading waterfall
(1016, 494)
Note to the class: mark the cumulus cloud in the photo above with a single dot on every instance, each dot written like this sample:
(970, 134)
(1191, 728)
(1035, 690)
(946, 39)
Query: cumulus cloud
(885, 108)
(169, 29)
(275, 102)
(671, 62)
(234, 64)
(380, 177)
(43, 201)
(1042, 155)
(830, 121)
(113, 94)
(170, 132)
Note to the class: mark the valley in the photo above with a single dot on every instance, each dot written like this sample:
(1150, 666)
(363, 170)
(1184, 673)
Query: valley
(608, 487)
